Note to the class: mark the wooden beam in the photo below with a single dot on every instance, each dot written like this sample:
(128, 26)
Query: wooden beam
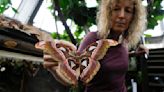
(4, 55)
(17, 45)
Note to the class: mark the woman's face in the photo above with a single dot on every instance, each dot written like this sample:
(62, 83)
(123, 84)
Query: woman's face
(122, 14)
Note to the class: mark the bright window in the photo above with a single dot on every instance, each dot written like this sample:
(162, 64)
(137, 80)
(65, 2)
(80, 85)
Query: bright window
(9, 12)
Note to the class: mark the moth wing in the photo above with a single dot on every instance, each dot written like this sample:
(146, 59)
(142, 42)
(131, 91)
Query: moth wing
(95, 52)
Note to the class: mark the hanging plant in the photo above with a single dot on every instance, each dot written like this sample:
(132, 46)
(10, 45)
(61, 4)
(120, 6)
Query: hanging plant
(6, 4)
(155, 13)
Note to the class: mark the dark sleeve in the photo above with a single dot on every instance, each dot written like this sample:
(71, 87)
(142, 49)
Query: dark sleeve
(87, 40)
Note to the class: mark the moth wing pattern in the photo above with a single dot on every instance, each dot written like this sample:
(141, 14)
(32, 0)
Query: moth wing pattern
(95, 51)
(59, 51)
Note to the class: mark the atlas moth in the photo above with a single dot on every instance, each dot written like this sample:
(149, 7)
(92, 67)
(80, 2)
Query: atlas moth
(68, 65)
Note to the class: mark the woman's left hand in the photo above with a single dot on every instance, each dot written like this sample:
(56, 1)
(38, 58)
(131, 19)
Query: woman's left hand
(141, 50)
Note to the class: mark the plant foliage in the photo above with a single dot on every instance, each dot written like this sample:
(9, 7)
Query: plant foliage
(6, 4)
(84, 16)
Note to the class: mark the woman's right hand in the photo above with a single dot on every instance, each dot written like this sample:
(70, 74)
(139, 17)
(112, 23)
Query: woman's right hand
(50, 64)
(48, 61)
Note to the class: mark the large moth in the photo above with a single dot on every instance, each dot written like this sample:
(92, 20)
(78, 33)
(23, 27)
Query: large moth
(71, 66)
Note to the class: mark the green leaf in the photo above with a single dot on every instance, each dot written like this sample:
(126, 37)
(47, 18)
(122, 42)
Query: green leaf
(157, 12)
(157, 3)
(65, 36)
(159, 17)
(78, 32)
(54, 35)
(50, 7)
(63, 3)
(2, 9)
(152, 22)
(15, 10)
(5, 4)
(147, 35)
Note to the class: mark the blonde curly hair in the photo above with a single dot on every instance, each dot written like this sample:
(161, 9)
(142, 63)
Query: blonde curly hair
(136, 27)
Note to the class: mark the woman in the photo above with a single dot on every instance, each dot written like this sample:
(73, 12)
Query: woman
(123, 21)
(119, 20)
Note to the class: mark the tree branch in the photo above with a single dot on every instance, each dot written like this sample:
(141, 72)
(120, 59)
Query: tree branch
(57, 7)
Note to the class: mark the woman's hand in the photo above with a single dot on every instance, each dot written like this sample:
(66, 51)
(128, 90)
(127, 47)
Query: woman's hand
(49, 62)
(51, 65)
(139, 51)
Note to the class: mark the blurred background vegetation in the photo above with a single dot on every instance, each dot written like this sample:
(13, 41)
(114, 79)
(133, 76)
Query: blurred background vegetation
(85, 17)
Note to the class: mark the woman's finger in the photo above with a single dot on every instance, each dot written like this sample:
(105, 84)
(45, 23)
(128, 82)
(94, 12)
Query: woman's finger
(49, 64)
